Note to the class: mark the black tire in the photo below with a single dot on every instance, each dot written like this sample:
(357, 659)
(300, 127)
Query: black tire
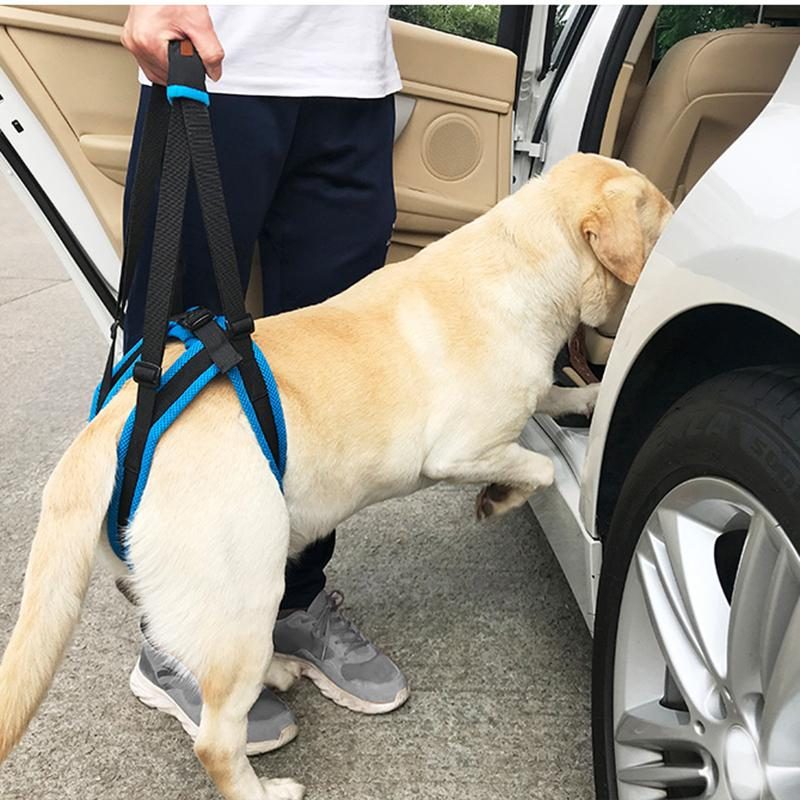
(743, 426)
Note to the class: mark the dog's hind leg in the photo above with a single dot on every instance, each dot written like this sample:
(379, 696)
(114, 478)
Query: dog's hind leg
(228, 694)
(216, 617)
(208, 548)
(231, 677)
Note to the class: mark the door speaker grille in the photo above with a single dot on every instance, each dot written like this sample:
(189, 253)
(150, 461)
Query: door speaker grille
(452, 147)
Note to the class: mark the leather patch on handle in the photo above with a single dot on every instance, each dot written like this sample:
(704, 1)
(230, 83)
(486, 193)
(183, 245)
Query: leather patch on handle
(187, 48)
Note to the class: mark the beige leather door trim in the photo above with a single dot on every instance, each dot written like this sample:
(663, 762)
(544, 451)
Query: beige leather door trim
(615, 110)
(57, 23)
(434, 58)
(432, 205)
(108, 152)
(111, 14)
(455, 97)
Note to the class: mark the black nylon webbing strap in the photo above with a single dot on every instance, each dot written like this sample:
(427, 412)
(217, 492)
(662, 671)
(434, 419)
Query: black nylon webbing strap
(145, 181)
(160, 288)
(148, 170)
(215, 214)
(166, 242)
(257, 392)
(223, 258)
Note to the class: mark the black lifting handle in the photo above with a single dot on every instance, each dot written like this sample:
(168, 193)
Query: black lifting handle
(187, 75)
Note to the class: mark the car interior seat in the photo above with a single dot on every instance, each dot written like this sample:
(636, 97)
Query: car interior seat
(706, 90)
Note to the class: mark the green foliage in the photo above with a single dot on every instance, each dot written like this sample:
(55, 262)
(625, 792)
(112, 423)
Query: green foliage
(677, 22)
(673, 24)
(560, 21)
(473, 22)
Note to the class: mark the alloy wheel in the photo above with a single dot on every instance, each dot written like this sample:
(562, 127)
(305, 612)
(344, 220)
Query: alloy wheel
(707, 661)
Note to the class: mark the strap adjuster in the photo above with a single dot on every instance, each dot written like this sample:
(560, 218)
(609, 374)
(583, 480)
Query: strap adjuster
(202, 323)
(242, 327)
(197, 318)
(147, 374)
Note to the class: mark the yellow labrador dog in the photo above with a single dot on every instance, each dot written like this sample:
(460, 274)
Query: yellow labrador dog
(425, 371)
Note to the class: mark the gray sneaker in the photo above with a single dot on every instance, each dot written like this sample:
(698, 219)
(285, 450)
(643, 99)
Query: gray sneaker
(346, 667)
(156, 681)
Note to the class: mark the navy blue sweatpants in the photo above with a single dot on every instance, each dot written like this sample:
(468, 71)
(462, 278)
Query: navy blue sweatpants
(310, 181)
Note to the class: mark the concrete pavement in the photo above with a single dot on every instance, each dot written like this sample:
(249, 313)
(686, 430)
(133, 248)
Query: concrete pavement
(479, 616)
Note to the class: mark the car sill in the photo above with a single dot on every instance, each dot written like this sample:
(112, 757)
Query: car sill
(556, 509)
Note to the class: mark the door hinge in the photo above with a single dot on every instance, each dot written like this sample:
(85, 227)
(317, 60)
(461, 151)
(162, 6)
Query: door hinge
(531, 149)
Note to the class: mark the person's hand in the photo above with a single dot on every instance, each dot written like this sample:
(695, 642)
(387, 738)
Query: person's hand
(148, 29)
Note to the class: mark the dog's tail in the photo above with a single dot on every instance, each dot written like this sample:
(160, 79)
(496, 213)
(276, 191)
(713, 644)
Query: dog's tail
(73, 508)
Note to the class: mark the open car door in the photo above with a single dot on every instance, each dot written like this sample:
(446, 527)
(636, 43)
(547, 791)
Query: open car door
(68, 95)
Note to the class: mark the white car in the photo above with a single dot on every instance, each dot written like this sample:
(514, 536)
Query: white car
(675, 515)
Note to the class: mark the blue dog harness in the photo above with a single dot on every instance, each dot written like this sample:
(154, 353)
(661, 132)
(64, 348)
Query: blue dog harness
(177, 146)
(183, 386)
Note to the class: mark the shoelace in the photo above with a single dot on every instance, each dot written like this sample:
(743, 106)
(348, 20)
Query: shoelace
(331, 620)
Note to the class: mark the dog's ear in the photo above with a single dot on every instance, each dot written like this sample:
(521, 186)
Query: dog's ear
(613, 229)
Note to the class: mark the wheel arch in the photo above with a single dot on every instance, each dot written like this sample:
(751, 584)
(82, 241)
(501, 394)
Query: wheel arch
(691, 348)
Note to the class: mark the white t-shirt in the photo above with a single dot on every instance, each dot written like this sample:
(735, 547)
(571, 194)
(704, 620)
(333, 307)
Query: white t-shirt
(305, 51)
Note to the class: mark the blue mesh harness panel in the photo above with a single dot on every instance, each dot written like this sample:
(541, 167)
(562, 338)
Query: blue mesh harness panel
(122, 373)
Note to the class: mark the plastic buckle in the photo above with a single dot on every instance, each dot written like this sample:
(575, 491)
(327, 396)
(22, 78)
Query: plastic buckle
(197, 318)
(147, 374)
(242, 327)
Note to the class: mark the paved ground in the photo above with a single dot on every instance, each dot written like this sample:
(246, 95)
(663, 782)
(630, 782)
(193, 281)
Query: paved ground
(479, 616)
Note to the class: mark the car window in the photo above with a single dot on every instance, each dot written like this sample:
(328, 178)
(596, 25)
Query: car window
(564, 19)
(472, 22)
(678, 22)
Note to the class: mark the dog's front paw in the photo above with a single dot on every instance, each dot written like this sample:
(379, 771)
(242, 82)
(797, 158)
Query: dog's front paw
(588, 399)
(492, 499)
(282, 789)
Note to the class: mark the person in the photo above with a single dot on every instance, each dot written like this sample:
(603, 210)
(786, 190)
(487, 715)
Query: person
(302, 113)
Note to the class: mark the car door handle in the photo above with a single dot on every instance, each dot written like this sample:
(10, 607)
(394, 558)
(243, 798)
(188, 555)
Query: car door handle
(403, 107)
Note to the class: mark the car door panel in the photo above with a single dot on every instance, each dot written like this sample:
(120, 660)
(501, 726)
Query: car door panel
(67, 63)
(452, 160)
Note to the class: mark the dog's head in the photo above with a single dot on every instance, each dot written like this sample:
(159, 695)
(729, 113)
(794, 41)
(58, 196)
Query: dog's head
(617, 215)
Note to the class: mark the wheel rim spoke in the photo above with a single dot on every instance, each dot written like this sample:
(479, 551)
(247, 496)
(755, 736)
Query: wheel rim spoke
(690, 545)
(781, 718)
(664, 776)
(672, 625)
(654, 727)
(746, 628)
(780, 604)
